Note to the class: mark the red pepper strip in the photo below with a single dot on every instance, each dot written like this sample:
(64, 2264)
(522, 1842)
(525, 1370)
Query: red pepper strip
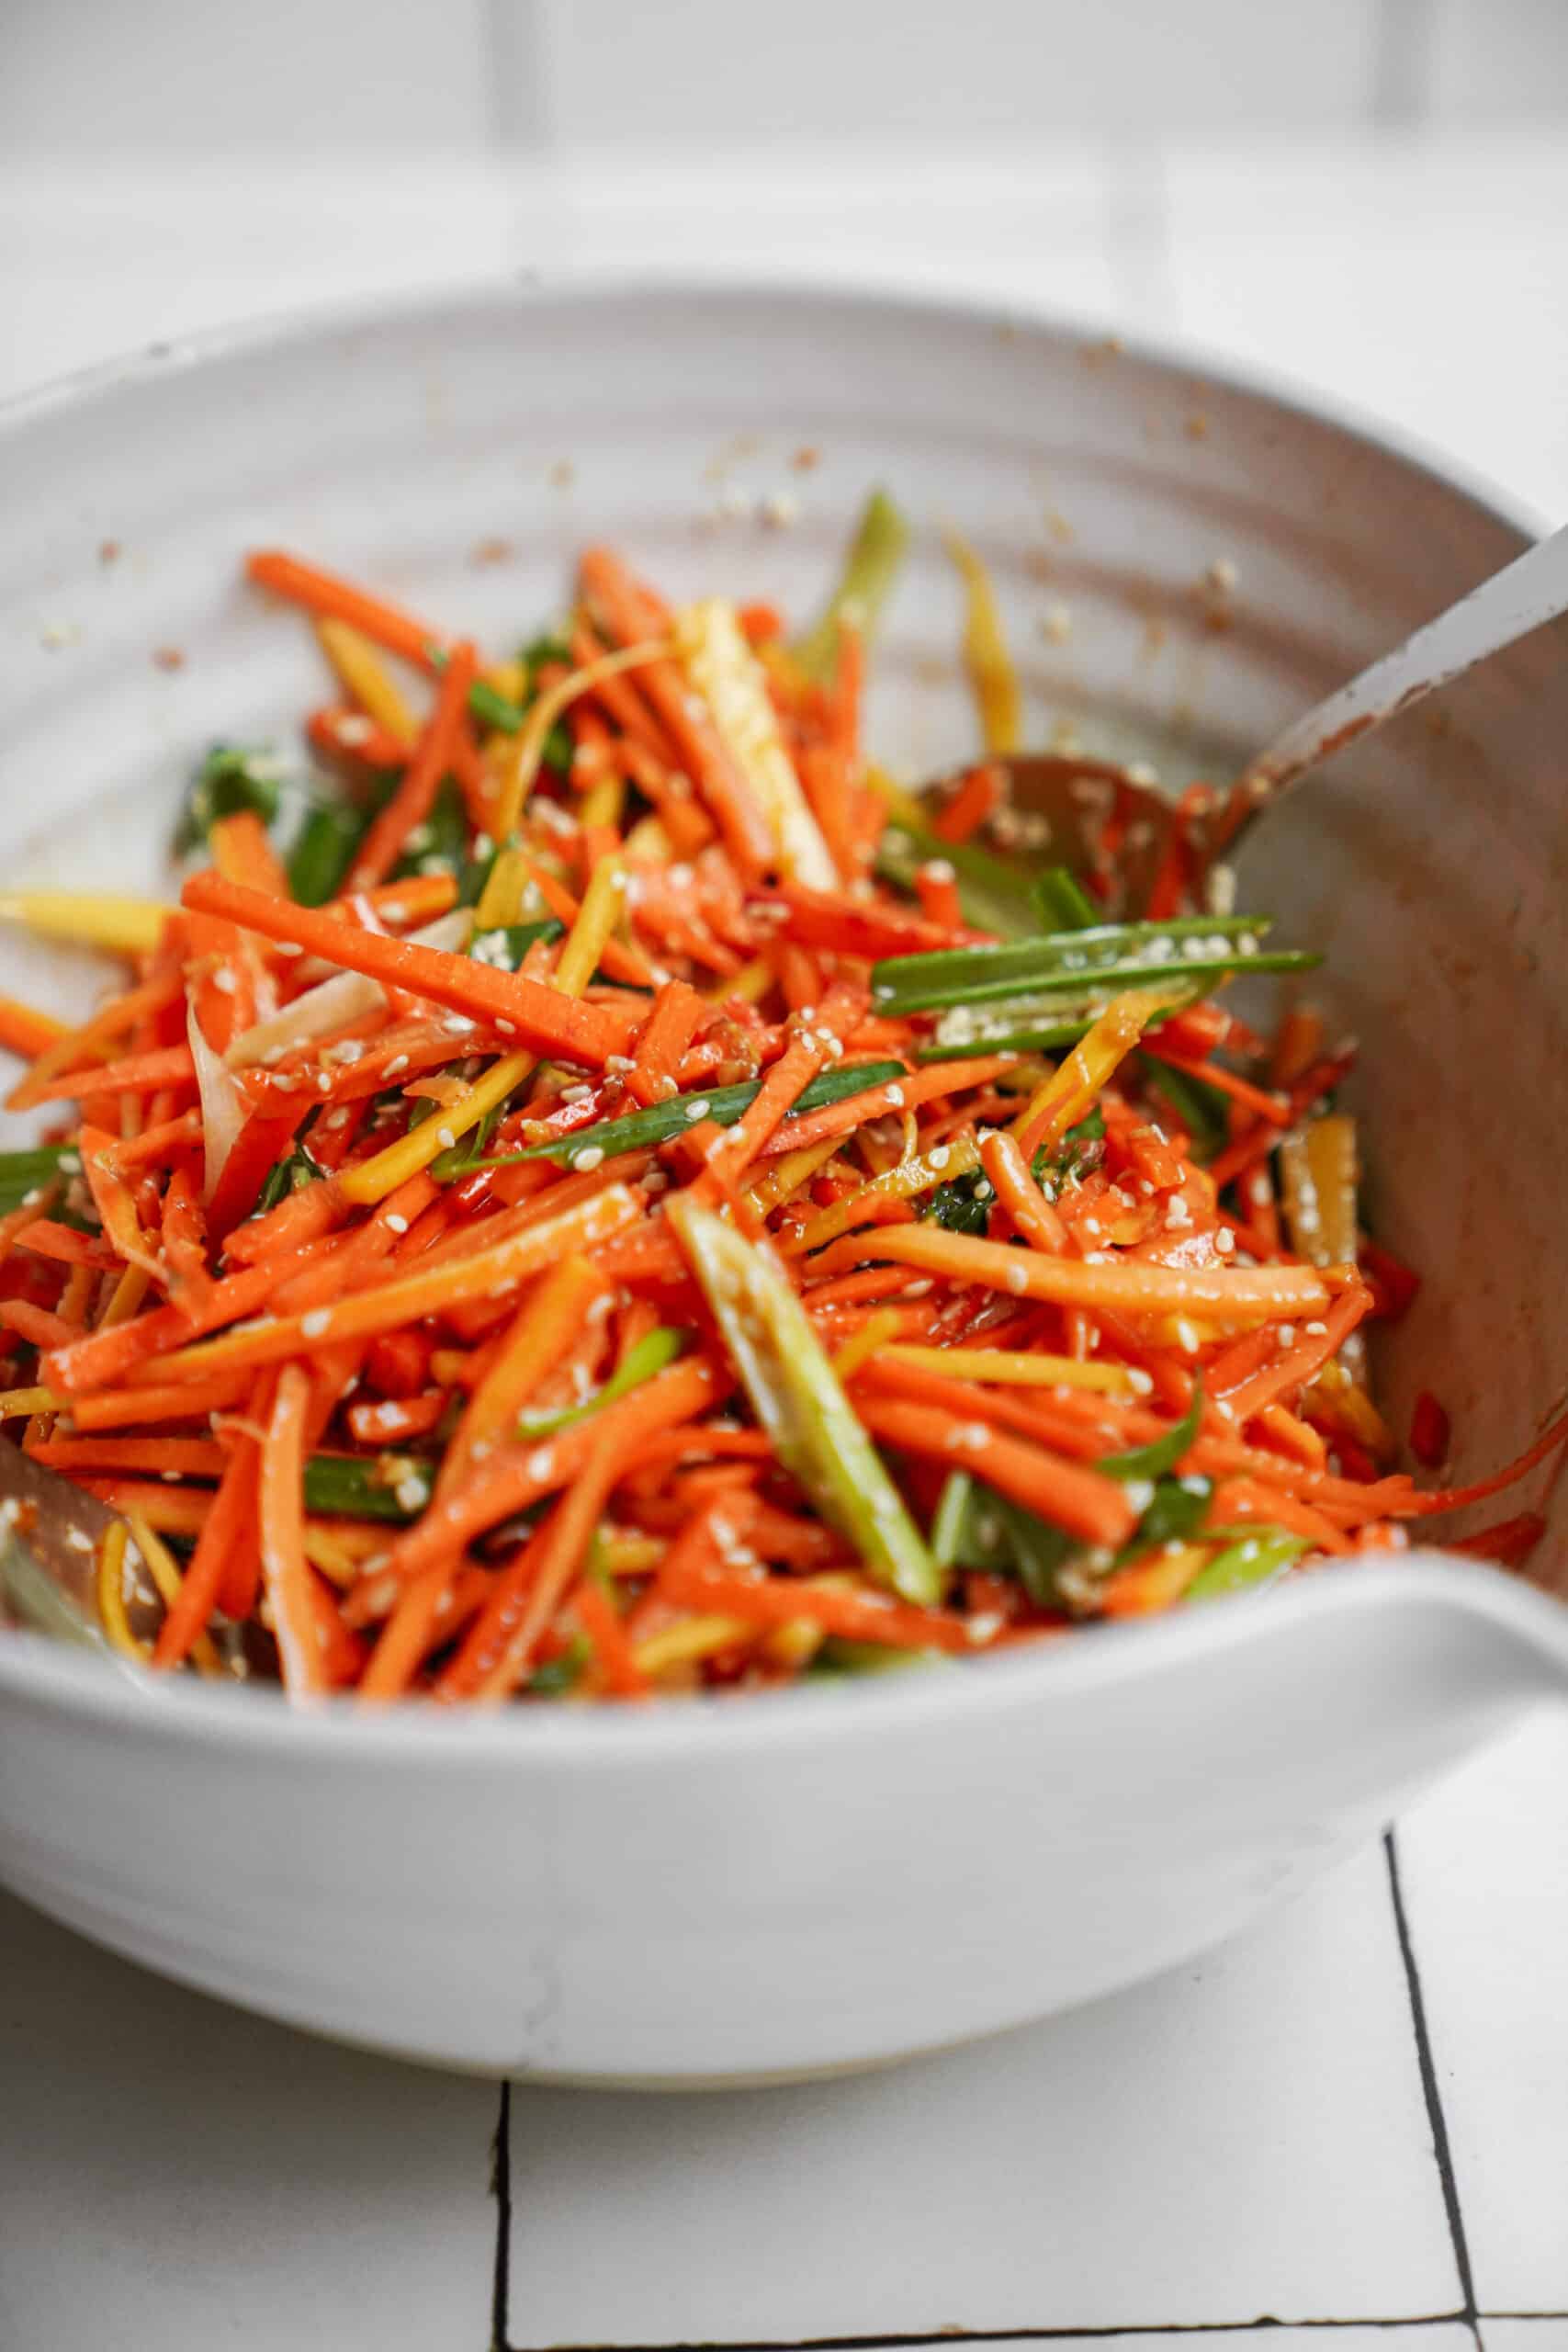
(1395, 1284)
(542, 1019)
(1509, 1541)
(1458, 1497)
(1430, 1431)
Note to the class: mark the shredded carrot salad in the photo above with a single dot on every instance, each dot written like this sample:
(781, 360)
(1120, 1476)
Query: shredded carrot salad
(599, 1194)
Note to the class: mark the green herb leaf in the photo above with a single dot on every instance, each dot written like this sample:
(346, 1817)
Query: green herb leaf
(960, 1205)
(652, 1352)
(22, 1172)
(558, 1674)
(1064, 902)
(1257, 1559)
(229, 779)
(640, 1130)
(1161, 1454)
(838, 1658)
(348, 1485)
(441, 840)
(1068, 963)
(1202, 1110)
(290, 1174)
(992, 895)
(1177, 1512)
(324, 850)
(506, 947)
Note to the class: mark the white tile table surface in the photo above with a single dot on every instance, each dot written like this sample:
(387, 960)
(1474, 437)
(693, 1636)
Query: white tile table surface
(1355, 2115)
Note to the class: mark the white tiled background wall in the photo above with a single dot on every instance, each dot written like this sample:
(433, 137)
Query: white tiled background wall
(86, 77)
(1366, 194)
(1321, 2124)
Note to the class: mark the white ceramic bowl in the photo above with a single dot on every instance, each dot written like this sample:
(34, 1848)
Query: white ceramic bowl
(835, 1876)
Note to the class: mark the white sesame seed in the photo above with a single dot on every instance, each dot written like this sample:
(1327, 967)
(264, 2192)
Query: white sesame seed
(316, 1322)
(698, 1110)
(589, 1158)
(444, 1136)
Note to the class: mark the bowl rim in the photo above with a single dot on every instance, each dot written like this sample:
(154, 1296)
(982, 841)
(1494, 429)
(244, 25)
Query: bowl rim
(118, 1695)
(293, 325)
(119, 1692)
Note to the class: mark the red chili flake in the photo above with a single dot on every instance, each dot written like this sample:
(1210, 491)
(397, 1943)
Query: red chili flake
(169, 656)
(1430, 1431)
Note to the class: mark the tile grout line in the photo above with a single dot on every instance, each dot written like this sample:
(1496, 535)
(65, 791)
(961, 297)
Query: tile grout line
(940, 2337)
(500, 2190)
(1442, 2151)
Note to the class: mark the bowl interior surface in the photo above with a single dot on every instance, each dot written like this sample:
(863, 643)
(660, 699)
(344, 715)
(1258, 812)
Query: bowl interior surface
(457, 454)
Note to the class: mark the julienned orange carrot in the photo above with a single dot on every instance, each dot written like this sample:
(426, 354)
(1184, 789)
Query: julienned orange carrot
(540, 1017)
(907, 1093)
(411, 802)
(172, 1510)
(406, 1634)
(275, 1338)
(1018, 1194)
(26, 1032)
(324, 591)
(136, 1074)
(1090, 1506)
(536, 1340)
(864, 1616)
(597, 1616)
(500, 1646)
(404, 1316)
(678, 1013)
(112, 1353)
(513, 1478)
(1292, 1365)
(183, 1401)
(243, 851)
(150, 1457)
(286, 1572)
(630, 614)
(1261, 1293)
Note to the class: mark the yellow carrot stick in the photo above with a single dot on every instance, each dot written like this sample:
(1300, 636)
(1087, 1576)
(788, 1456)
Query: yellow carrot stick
(88, 918)
(986, 654)
(365, 675)
(1006, 1367)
